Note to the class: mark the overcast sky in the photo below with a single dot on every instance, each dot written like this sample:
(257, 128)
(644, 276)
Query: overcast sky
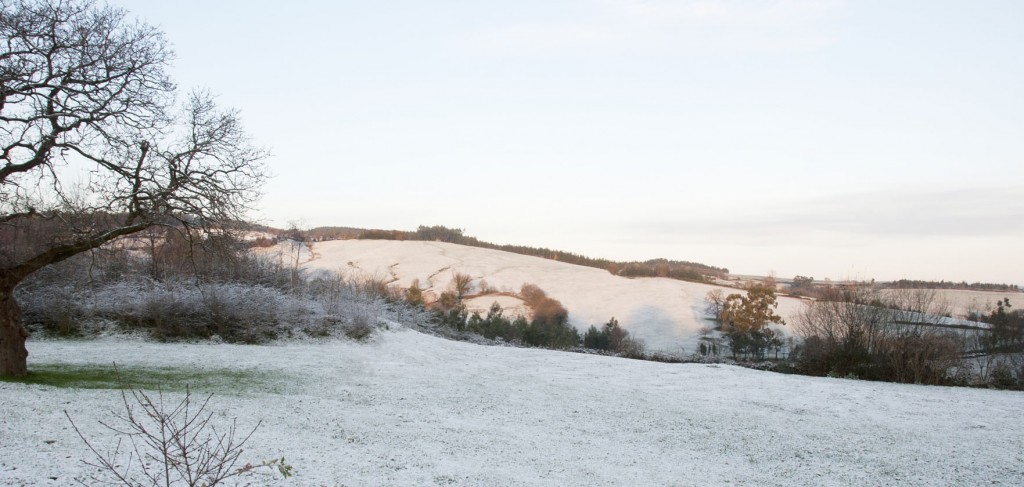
(861, 139)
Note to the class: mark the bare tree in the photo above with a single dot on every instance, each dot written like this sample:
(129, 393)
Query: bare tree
(878, 335)
(93, 148)
(461, 284)
(844, 331)
(713, 302)
(296, 243)
(921, 350)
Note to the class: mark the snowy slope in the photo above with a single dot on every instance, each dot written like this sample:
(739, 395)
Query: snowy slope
(411, 409)
(665, 313)
(960, 302)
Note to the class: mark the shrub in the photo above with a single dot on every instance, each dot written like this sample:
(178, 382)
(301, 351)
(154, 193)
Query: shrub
(414, 295)
(614, 338)
(1004, 377)
(359, 328)
(595, 339)
(171, 445)
(550, 326)
(63, 299)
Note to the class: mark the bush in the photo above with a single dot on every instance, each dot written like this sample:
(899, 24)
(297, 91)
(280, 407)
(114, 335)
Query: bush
(550, 326)
(551, 334)
(359, 328)
(161, 444)
(55, 308)
(613, 338)
(264, 302)
(1004, 377)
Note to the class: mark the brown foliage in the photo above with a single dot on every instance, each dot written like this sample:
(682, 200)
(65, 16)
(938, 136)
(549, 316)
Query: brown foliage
(545, 309)
(414, 295)
(751, 312)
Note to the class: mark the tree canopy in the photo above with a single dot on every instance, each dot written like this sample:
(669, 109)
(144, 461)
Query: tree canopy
(95, 144)
(745, 320)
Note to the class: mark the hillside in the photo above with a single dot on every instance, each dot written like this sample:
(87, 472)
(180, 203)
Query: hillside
(665, 313)
(411, 409)
(685, 270)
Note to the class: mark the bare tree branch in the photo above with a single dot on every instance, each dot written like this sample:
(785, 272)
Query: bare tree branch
(83, 86)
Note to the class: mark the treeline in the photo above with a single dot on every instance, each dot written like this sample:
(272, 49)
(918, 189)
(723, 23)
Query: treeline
(320, 234)
(681, 270)
(964, 285)
(673, 269)
(456, 236)
(808, 287)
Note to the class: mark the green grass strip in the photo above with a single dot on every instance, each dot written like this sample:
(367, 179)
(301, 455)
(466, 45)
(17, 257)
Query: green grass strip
(91, 376)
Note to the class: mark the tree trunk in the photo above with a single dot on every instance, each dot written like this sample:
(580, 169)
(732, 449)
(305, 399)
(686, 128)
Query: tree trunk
(13, 354)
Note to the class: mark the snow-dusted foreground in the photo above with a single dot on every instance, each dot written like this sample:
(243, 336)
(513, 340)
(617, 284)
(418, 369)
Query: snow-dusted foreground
(411, 409)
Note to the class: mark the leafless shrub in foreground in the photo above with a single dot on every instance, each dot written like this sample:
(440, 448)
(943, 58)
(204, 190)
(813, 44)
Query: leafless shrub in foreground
(170, 445)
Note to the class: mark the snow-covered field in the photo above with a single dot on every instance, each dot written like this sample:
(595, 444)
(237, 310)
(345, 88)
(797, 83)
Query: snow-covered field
(665, 313)
(412, 409)
(960, 302)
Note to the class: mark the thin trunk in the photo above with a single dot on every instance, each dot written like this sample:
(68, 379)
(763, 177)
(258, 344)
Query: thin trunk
(13, 354)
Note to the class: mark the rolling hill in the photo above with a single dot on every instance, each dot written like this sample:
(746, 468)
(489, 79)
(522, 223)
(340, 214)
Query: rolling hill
(665, 313)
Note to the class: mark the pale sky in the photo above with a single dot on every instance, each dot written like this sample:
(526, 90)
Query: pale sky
(856, 139)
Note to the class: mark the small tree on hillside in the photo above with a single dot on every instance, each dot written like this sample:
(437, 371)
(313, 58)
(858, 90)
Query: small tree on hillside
(414, 295)
(461, 284)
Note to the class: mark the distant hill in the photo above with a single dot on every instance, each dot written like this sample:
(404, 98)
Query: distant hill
(659, 267)
(673, 269)
(667, 314)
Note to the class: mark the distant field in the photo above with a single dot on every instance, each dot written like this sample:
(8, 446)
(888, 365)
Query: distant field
(962, 302)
